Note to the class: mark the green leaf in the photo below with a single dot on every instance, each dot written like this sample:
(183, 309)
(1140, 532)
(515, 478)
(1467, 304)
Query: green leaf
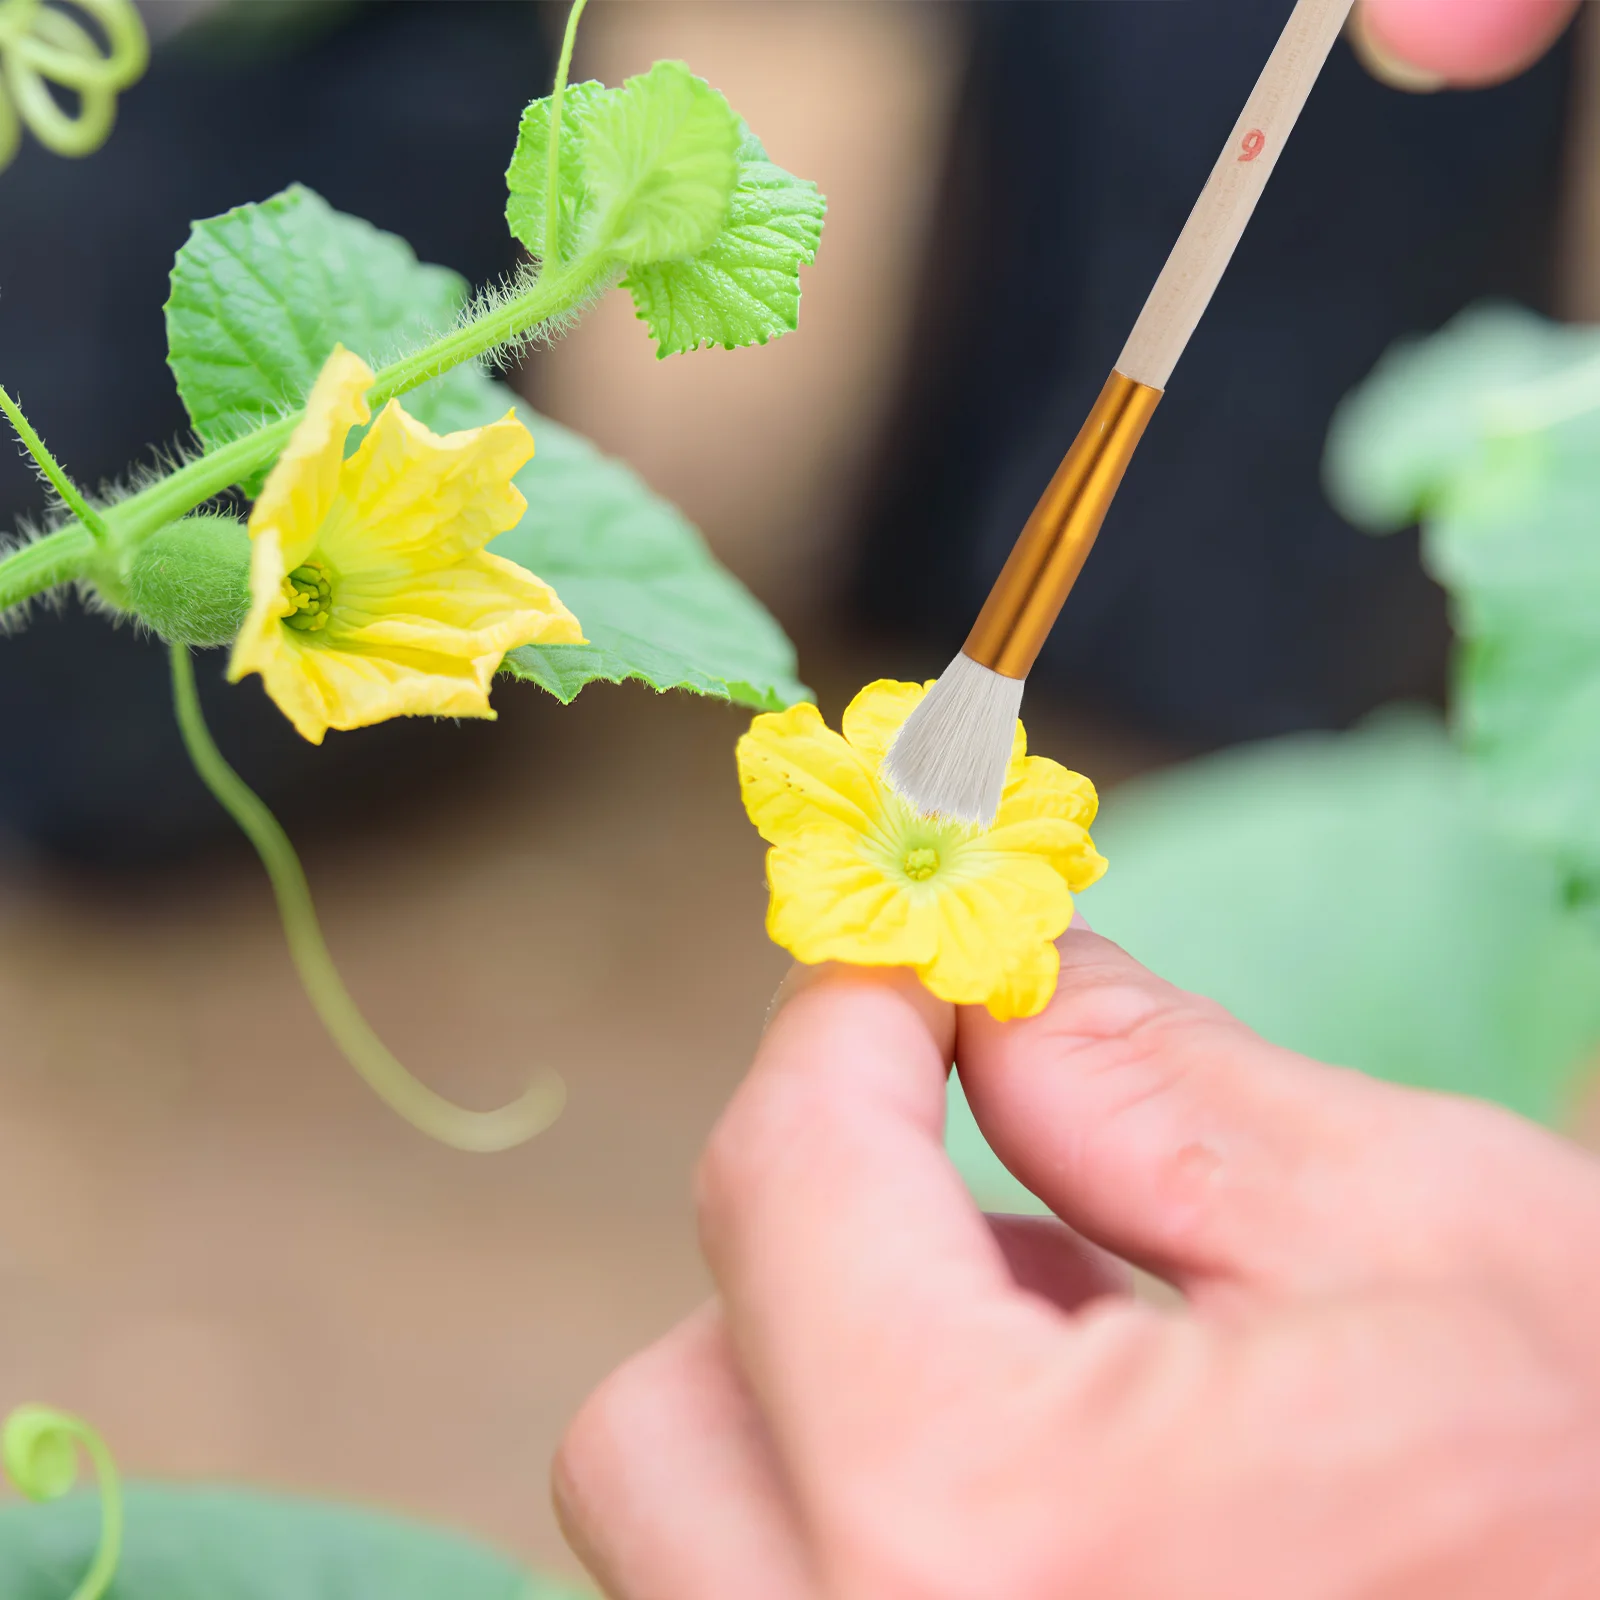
(261, 295)
(225, 1544)
(1493, 427)
(1422, 426)
(652, 600)
(661, 156)
(647, 170)
(1348, 895)
(525, 177)
(744, 287)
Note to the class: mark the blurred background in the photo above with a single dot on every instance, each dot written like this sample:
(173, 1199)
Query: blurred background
(214, 1242)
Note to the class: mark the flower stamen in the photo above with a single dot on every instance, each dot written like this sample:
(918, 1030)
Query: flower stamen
(921, 864)
(308, 590)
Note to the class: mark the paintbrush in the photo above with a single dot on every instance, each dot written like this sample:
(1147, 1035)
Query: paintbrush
(950, 758)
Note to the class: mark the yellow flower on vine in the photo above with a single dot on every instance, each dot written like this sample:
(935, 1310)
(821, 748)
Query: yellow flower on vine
(43, 45)
(857, 875)
(372, 595)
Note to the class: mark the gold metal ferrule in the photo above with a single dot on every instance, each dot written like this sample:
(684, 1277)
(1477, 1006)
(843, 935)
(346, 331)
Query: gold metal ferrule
(1050, 551)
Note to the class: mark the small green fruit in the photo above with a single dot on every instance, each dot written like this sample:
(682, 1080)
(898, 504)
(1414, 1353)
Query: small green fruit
(191, 581)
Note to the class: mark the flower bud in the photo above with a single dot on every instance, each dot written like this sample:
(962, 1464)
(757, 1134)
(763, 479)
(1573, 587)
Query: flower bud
(191, 581)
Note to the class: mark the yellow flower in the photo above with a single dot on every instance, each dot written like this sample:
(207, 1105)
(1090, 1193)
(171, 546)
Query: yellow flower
(371, 593)
(858, 876)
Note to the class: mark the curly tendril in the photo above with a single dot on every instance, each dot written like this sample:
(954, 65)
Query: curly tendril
(514, 1124)
(42, 45)
(40, 1447)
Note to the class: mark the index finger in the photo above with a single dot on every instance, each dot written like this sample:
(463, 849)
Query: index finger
(847, 1251)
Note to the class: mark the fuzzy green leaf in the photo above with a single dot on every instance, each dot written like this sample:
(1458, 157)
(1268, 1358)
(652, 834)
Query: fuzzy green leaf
(647, 170)
(1512, 530)
(525, 177)
(261, 295)
(207, 1544)
(744, 287)
(652, 601)
(661, 158)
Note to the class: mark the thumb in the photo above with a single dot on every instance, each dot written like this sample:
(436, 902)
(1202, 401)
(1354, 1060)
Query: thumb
(1468, 43)
(1162, 1128)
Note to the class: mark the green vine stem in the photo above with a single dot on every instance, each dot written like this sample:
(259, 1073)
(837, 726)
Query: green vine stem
(63, 554)
(513, 1124)
(552, 171)
(71, 496)
(40, 1448)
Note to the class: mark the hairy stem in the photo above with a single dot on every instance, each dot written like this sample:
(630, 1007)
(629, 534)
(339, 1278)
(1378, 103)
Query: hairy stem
(71, 495)
(552, 171)
(551, 293)
(538, 1106)
(66, 553)
(55, 559)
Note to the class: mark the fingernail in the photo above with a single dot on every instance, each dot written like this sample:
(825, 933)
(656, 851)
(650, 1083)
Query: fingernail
(1384, 64)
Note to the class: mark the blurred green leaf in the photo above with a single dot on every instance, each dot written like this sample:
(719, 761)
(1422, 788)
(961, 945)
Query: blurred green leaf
(651, 598)
(744, 287)
(1427, 423)
(261, 295)
(1347, 896)
(226, 1544)
(1492, 430)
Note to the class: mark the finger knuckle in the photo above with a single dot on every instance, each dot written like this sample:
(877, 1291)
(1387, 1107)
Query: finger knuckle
(745, 1146)
(591, 1457)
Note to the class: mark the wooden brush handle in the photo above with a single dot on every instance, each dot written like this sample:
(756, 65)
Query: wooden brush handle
(1213, 230)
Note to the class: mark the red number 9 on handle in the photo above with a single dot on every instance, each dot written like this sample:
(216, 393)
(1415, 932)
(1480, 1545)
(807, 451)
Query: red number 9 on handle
(1254, 143)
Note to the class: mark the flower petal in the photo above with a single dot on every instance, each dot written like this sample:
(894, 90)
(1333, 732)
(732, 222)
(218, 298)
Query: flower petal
(830, 903)
(877, 714)
(1045, 812)
(482, 605)
(261, 635)
(1036, 786)
(412, 500)
(318, 688)
(300, 489)
(796, 773)
(993, 920)
(1028, 984)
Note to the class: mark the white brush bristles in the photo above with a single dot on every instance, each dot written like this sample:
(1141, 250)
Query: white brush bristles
(950, 758)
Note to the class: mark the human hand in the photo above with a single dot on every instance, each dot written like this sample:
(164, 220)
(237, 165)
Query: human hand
(1427, 44)
(1384, 1382)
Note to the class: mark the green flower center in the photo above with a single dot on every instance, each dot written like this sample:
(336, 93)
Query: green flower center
(921, 864)
(308, 590)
